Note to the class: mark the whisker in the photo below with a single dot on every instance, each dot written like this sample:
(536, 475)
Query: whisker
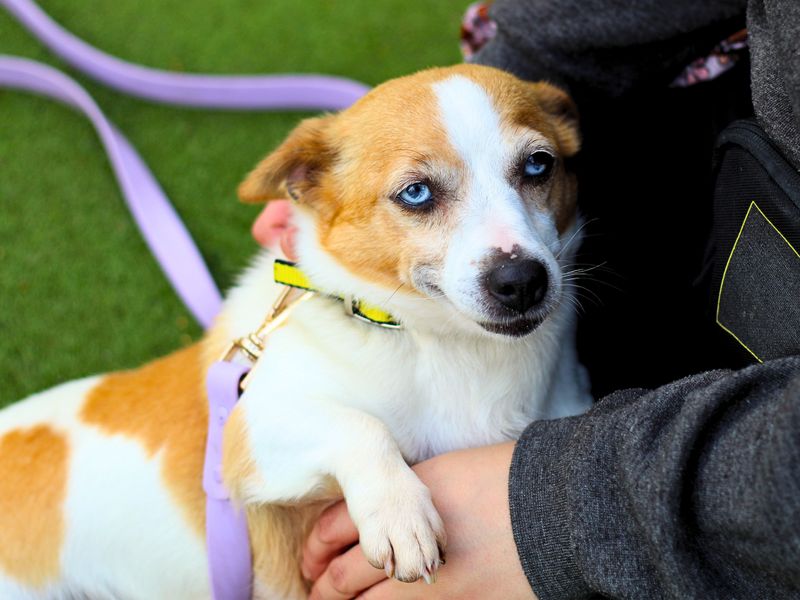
(397, 289)
(572, 237)
(582, 293)
(588, 269)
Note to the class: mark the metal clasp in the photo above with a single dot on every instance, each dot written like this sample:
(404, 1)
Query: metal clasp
(251, 346)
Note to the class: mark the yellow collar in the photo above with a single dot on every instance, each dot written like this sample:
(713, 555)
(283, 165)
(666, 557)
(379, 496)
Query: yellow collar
(288, 273)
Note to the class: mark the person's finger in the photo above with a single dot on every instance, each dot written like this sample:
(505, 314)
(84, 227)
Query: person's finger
(333, 532)
(272, 222)
(346, 576)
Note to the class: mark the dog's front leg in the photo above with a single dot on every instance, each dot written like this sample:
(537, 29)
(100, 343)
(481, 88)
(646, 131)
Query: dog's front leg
(287, 452)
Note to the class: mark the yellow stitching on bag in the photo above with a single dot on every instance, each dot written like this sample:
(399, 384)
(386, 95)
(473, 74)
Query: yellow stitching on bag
(727, 264)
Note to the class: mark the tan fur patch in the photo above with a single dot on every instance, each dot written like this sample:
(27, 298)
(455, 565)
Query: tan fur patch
(33, 486)
(378, 145)
(277, 535)
(163, 406)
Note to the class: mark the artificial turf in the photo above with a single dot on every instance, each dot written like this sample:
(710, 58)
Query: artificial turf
(79, 291)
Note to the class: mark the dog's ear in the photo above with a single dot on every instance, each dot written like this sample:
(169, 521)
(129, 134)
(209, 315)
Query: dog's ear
(294, 167)
(557, 103)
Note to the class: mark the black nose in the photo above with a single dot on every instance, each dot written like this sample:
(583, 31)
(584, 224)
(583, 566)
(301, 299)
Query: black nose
(518, 284)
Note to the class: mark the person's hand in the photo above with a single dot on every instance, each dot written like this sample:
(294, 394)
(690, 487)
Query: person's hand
(470, 490)
(273, 226)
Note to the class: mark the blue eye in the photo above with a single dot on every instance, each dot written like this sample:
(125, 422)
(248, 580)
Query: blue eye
(416, 194)
(538, 164)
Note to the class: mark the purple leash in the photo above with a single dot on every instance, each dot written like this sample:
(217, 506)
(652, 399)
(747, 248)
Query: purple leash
(164, 232)
(229, 554)
(243, 92)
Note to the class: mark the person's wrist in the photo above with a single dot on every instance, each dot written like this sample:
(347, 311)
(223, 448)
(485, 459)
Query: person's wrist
(470, 491)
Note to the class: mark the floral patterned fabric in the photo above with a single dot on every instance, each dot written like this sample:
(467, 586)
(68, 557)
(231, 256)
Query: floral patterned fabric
(477, 28)
(722, 58)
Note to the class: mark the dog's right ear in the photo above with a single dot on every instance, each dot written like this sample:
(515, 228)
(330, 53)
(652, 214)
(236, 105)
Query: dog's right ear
(294, 167)
(561, 108)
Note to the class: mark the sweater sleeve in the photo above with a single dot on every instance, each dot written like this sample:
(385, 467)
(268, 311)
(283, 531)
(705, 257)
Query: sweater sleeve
(688, 491)
(607, 46)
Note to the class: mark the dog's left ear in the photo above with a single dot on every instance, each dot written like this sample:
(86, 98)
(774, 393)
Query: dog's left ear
(557, 103)
(294, 167)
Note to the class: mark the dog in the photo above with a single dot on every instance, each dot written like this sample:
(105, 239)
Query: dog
(446, 199)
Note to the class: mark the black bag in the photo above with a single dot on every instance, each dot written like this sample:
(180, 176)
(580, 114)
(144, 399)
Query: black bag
(752, 262)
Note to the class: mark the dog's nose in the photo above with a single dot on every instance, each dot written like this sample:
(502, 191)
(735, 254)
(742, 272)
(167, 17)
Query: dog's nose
(518, 284)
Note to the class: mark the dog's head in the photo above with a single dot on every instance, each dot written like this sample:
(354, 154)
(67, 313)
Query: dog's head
(449, 185)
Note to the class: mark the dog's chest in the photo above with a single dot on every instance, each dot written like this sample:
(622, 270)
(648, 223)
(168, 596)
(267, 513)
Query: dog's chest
(435, 395)
(461, 397)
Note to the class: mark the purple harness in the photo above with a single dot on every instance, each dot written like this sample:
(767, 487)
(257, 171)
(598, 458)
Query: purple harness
(230, 563)
(230, 560)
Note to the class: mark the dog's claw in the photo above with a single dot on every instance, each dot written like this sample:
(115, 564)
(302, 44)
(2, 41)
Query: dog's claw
(430, 573)
(388, 566)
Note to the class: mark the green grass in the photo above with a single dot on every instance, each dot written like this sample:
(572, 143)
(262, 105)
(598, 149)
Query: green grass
(79, 292)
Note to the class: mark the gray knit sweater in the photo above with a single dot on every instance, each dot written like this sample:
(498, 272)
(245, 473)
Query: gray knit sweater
(691, 490)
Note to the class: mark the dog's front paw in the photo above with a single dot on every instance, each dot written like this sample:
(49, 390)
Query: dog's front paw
(403, 533)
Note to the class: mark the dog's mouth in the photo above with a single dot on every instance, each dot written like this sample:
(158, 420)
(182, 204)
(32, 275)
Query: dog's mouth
(498, 321)
(512, 328)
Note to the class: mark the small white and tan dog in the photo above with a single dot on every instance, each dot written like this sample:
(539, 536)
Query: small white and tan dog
(444, 199)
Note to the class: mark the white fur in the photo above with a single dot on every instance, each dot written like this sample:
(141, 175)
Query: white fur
(123, 530)
(494, 217)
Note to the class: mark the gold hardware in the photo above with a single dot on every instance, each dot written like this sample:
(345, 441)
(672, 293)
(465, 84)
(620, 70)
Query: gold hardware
(252, 345)
(349, 304)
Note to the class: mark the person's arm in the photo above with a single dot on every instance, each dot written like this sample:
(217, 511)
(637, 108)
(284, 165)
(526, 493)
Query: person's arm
(606, 46)
(688, 491)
